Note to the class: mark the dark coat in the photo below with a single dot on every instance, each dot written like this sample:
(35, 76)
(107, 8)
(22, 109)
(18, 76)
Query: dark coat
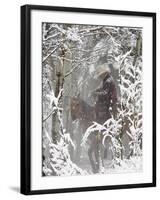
(106, 100)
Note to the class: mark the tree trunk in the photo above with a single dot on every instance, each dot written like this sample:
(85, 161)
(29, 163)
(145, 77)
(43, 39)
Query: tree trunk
(58, 86)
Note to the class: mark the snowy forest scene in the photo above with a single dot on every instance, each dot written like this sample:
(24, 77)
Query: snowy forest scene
(91, 99)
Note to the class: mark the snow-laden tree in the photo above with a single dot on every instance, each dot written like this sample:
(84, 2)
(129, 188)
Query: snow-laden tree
(56, 157)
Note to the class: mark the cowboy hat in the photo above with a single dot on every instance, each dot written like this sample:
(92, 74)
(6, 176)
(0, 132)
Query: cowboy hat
(102, 69)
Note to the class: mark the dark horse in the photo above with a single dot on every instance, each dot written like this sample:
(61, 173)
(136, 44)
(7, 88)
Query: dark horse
(86, 115)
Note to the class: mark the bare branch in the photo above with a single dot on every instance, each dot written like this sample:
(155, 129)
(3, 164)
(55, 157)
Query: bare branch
(50, 37)
(51, 53)
(91, 29)
(50, 114)
(79, 64)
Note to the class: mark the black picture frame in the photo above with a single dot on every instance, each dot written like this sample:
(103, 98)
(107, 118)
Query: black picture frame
(26, 98)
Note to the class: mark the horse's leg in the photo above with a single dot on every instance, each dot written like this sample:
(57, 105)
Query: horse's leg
(98, 152)
(91, 154)
(105, 153)
(102, 149)
(105, 149)
(78, 147)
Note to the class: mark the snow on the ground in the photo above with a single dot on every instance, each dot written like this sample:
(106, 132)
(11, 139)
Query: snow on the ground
(132, 165)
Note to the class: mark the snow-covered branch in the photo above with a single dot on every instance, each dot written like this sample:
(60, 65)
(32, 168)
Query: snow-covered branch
(57, 160)
(45, 58)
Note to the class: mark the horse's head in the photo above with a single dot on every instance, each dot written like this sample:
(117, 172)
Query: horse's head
(75, 107)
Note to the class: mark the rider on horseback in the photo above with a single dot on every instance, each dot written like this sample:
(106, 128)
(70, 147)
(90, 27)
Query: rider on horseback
(105, 96)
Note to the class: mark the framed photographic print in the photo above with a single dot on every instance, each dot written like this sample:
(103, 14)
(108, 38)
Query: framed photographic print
(88, 99)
